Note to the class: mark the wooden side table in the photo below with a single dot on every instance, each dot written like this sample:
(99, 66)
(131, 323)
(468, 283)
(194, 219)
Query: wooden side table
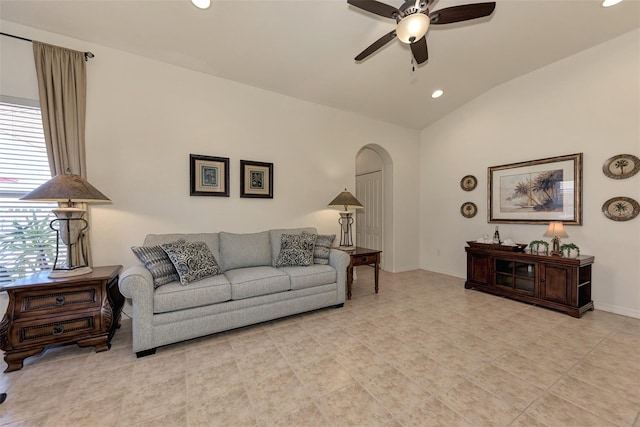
(43, 312)
(362, 256)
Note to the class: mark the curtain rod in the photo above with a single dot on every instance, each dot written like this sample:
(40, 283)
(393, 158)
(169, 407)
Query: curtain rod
(87, 55)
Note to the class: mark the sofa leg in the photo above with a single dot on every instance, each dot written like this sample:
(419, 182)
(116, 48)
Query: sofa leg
(338, 305)
(144, 353)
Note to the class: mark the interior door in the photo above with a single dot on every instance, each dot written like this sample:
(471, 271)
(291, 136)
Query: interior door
(369, 219)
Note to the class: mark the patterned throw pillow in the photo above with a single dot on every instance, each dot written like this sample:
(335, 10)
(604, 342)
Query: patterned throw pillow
(296, 250)
(323, 248)
(158, 263)
(193, 261)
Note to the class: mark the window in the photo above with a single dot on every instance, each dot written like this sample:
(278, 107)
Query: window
(27, 243)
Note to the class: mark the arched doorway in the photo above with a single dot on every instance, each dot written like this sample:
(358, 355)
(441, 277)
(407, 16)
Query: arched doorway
(374, 189)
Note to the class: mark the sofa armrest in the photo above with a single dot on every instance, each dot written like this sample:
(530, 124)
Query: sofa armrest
(340, 261)
(136, 283)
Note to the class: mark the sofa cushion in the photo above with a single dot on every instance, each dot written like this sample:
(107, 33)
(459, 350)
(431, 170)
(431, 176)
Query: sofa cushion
(193, 261)
(308, 277)
(296, 250)
(322, 248)
(244, 250)
(174, 296)
(158, 263)
(211, 239)
(276, 235)
(254, 281)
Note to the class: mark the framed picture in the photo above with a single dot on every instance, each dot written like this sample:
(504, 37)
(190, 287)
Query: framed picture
(256, 179)
(209, 175)
(537, 191)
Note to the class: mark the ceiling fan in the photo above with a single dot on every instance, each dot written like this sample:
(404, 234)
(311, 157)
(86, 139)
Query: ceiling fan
(413, 20)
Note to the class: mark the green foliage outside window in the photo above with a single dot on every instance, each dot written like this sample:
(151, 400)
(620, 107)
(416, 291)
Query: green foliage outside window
(27, 245)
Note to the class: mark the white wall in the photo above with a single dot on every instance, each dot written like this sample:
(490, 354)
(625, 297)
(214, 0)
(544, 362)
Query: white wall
(145, 117)
(587, 103)
(17, 73)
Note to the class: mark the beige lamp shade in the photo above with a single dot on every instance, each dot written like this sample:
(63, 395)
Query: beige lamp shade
(555, 229)
(346, 200)
(66, 187)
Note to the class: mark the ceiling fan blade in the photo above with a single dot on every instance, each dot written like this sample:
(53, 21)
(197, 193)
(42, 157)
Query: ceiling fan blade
(465, 12)
(376, 7)
(419, 50)
(376, 45)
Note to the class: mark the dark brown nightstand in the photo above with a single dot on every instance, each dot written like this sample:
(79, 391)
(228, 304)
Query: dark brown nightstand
(43, 312)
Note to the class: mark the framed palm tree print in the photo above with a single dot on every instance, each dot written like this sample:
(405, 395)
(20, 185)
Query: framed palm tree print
(536, 191)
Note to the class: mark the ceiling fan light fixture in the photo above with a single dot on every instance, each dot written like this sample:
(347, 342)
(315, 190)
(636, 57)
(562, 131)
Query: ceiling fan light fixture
(201, 4)
(609, 3)
(412, 28)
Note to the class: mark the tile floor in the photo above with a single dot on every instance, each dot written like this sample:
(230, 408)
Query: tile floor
(423, 352)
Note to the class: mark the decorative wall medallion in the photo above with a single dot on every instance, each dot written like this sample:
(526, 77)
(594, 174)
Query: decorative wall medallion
(468, 209)
(621, 166)
(468, 182)
(621, 208)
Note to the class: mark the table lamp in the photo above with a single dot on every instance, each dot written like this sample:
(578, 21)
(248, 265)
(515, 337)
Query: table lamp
(348, 201)
(68, 188)
(555, 230)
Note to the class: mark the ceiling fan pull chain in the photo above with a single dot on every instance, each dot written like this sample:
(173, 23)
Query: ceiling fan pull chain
(413, 65)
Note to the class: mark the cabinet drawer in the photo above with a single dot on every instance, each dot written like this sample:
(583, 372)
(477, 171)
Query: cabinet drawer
(58, 300)
(364, 259)
(58, 330)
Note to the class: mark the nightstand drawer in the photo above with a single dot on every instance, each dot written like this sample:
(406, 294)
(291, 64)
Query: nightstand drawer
(58, 330)
(56, 300)
(363, 259)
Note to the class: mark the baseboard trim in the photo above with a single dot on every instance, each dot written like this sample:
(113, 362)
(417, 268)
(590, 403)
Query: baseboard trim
(617, 310)
(445, 272)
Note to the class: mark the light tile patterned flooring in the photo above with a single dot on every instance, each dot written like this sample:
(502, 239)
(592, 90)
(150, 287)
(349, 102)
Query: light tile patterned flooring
(423, 352)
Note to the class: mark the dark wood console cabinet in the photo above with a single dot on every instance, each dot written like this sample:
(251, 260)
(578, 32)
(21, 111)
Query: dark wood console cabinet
(549, 281)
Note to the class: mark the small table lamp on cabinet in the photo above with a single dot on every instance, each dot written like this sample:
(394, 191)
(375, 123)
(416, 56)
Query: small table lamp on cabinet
(347, 201)
(556, 231)
(68, 188)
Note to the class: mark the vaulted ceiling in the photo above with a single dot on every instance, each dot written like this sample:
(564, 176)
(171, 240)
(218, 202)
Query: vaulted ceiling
(305, 48)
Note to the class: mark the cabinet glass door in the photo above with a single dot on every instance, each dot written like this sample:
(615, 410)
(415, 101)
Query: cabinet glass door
(525, 275)
(504, 273)
(519, 276)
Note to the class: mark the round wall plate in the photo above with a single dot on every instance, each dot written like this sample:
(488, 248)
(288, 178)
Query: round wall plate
(621, 208)
(468, 209)
(468, 182)
(621, 166)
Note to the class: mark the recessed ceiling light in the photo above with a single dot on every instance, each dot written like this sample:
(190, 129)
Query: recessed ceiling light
(437, 93)
(607, 3)
(201, 4)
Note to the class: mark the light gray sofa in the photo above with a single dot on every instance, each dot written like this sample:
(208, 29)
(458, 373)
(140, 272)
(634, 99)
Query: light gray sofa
(250, 290)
